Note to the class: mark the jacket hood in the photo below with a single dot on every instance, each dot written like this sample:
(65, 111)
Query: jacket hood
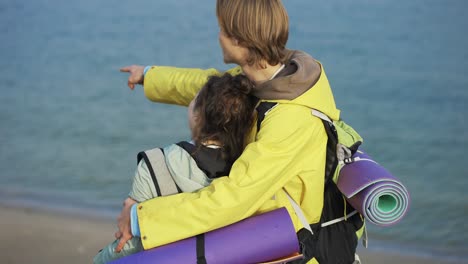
(301, 82)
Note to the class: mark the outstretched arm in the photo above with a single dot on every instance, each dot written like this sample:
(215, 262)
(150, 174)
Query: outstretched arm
(170, 85)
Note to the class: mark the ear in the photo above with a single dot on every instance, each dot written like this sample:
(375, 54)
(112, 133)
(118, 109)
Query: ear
(235, 42)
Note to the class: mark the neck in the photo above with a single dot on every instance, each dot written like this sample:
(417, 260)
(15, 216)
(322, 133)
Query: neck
(260, 75)
(211, 142)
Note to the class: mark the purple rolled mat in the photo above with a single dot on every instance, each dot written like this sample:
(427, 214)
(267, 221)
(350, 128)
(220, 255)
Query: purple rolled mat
(256, 239)
(373, 191)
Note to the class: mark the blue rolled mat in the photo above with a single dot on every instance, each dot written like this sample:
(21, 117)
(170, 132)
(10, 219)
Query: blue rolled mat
(260, 238)
(379, 196)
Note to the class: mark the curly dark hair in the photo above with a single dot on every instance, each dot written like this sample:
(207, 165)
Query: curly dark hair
(225, 113)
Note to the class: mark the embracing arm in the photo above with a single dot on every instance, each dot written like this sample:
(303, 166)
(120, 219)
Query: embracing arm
(263, 169)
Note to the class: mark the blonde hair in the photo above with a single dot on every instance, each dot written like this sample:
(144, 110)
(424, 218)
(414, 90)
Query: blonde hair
(262, 26)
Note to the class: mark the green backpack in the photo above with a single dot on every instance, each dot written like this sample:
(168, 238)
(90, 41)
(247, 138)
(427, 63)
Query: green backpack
(334, 239)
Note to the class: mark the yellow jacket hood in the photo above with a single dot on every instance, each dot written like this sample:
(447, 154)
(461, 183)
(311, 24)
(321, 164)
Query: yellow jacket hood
(302, 82)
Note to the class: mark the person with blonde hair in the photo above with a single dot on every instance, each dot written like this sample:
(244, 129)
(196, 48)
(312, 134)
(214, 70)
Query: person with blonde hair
(284, 164)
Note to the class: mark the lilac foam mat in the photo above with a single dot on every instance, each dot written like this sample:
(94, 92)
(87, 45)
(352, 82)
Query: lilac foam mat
(256, 239)
(379, 196)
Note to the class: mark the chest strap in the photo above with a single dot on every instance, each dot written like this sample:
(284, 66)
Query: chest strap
(305, 223)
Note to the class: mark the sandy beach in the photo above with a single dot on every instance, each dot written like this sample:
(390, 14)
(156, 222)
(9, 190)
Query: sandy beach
(31, 235)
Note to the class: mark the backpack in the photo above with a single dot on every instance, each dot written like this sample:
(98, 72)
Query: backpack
(333, 240)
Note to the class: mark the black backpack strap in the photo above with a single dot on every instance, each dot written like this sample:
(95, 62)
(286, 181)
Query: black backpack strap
(200, 247)
(332, 141)
(209, 160)
(262, 109)
(331, 159)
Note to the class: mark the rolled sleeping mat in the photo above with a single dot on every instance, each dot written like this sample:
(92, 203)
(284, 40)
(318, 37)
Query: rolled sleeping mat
(260, 238)
(375, 193)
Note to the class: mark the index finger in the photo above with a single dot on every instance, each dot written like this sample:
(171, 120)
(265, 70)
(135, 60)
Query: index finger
(125, 69)
(121, 244)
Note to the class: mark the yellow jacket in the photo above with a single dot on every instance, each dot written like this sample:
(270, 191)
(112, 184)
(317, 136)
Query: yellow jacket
(287, 154)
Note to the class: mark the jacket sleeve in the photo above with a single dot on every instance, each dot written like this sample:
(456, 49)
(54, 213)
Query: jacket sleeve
(263, 169)
(178, 86)
(142, 186)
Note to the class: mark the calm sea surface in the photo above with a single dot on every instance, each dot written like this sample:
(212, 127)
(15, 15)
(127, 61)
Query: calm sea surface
(70, 128)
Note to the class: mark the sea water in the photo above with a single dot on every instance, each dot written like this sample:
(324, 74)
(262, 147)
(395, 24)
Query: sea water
(70, 129)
